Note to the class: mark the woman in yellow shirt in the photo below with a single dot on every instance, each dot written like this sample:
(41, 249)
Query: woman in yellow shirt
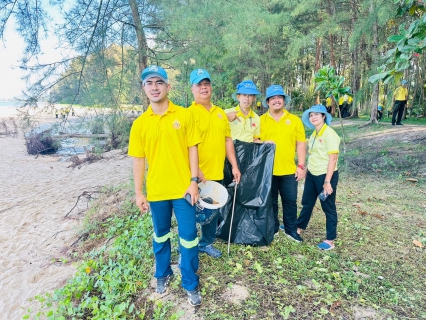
(322, 176)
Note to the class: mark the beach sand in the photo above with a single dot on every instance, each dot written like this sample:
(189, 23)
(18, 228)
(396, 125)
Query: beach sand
(36, 194)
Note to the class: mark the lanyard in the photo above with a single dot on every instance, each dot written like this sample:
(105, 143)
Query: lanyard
(313, 142)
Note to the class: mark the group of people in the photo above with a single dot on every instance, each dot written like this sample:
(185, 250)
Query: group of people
(183, 146)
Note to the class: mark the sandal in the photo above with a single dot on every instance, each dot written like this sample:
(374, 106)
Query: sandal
(325, 246)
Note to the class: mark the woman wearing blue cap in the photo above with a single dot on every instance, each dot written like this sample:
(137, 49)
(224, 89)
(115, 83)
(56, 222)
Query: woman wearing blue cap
(244, 122)
(322, 176)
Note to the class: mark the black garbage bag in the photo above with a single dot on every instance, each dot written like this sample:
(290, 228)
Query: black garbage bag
(253, 221)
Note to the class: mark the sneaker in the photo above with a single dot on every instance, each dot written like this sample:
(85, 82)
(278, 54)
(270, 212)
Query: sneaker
(293, 236)
(211, 251)
(325, 246)
(194, 297)
(163, 283)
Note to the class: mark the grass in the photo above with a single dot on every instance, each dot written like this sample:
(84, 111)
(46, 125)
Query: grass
(375, 271)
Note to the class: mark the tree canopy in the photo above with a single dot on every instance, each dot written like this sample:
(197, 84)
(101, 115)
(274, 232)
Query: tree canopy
(105, 45)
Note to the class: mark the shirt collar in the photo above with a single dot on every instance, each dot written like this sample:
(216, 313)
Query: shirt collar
(285, 114)
(321, 132)
(198, 105)
(240, 112)
(171, 108)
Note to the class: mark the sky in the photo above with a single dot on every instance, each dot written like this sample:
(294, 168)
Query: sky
(11, 49)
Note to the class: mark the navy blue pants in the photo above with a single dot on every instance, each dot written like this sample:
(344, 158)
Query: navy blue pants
(286, 187)
(313, 187)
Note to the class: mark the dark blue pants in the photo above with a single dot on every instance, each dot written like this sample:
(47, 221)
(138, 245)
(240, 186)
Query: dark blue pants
(398, 109)
(188, 241)
(313, 187)
(286, 187)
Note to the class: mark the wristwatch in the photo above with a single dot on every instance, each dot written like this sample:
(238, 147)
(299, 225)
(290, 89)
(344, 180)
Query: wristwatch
(301, 166)
(326, 181)
(194, 179)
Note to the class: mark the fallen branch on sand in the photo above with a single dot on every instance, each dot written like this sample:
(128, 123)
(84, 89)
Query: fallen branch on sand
(87, 195)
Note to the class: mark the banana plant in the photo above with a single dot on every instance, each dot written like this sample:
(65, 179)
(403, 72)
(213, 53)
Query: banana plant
(331, 83)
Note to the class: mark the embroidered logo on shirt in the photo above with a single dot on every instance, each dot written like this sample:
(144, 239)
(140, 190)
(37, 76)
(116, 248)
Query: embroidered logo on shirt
(176, 124)
(219, 115)
(253, 124)
(320, 140)
(288, 122)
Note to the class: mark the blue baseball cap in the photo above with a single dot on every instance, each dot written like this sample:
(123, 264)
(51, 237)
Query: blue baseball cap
(404, 82)
(197, 75)
(319, 108)
(154, 71)
(275, 90)
(246, 87)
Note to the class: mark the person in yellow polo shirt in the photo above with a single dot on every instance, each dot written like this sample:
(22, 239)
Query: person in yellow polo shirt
(286, 131)
(328, 103)
(216, 143)
(400, 97)
(166, 137)
(322, 173)
(244, 122)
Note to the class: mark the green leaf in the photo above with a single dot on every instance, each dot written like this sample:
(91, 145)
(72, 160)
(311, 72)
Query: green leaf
(395, 38)
(378, 77)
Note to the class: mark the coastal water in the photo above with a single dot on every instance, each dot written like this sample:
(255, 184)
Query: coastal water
(69, 146)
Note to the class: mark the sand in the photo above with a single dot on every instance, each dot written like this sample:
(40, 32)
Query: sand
(35, 195)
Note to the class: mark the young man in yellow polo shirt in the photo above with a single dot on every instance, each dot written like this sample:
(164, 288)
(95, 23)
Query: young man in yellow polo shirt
(216, 143)
(400, 97)
(166, 138)
(244, 122)
(286, 131)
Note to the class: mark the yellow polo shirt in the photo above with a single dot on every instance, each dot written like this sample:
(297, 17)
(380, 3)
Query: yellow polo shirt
(401, 93)
(320, 147)
(328, 102)
(163, 141)
(213, 126)
(285, 133)
(247, 128)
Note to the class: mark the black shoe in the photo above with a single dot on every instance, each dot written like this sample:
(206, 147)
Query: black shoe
(393, 124)
(399, 124)
(294, 236)
(163, 283)
(194, 297)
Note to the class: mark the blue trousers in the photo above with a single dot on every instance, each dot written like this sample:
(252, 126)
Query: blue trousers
(188, 241)
(286, 187)
(313, 187)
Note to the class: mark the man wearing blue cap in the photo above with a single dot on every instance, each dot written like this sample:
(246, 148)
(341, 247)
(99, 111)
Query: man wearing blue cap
(244, 122)
(166, 131)
(400, 97)
(286, 131)
(216, 144)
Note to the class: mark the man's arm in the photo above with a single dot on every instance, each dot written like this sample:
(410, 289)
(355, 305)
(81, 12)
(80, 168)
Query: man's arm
(193, 164)
(301, 159)
(230, 154)
(138, 175)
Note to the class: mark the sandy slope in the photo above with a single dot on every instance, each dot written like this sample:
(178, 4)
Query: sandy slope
(35, 195)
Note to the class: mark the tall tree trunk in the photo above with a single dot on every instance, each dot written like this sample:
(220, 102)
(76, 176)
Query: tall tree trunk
(318, 54)
(332, 60)
(375, 53)
(142, 44)
(355, 64)
(318, 64)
